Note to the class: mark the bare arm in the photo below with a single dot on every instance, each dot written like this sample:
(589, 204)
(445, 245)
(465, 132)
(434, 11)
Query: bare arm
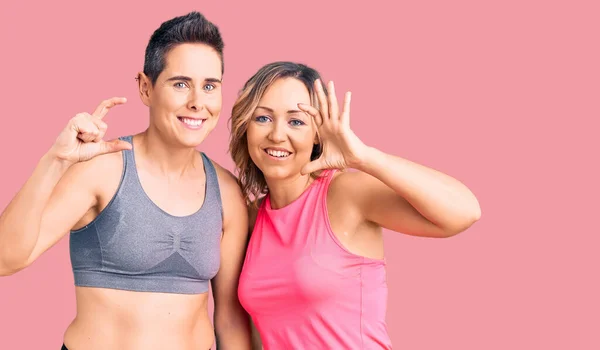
(390, 191)
(231, 320)
(252, 213)
(406, 197)
(20, 222)
(46, 207)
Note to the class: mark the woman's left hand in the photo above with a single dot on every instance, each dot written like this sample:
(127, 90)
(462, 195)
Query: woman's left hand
(341, 148)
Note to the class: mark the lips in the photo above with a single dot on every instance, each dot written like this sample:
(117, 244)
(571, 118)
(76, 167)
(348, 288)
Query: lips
(278, 152)
(193, 123)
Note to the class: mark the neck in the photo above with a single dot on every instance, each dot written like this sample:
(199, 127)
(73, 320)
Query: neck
(163, 156)
(284, 191)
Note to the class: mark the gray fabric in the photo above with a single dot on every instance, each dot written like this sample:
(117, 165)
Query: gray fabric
(135, 245)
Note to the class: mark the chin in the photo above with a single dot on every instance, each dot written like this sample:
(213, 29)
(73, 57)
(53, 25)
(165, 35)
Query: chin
(192, 141)
(194, 138)
(274, 172)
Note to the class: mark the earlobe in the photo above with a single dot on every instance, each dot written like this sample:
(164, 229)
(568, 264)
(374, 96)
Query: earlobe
(144, 88)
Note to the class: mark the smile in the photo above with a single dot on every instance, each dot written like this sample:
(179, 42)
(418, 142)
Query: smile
(277, 153)
(191, 122)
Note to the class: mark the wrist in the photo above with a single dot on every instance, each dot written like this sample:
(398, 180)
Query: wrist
(369, 160)
(52, 160)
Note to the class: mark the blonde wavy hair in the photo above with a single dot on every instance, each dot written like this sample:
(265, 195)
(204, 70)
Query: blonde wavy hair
(250, 178)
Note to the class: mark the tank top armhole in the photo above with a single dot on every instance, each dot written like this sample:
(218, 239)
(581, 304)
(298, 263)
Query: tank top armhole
(326, 178)
(325, 212)
(114, 197)
(209, 167)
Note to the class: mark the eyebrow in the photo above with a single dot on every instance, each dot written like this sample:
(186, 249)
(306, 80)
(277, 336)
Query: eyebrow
(291, 111)
(185, 78)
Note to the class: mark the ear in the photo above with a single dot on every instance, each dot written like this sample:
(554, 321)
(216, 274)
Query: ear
(145, 87)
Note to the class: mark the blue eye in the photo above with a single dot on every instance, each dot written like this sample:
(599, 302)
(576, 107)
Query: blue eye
(180, 85)
(262, 119)
(209, 87)
(296, 122)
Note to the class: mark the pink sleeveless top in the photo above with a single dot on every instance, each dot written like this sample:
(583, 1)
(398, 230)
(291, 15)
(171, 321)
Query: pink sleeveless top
(303, 289)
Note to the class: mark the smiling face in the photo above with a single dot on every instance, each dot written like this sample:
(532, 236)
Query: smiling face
(186, 100)
(280, 136)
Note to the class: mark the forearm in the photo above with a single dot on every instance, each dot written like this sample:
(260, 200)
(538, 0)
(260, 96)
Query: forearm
(20, 221)
(233, 332)
(441, 199)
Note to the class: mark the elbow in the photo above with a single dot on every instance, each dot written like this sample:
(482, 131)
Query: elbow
(8, 268)
(460, 225)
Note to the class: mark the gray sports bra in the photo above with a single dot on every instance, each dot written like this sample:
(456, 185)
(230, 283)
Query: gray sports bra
(134, 245)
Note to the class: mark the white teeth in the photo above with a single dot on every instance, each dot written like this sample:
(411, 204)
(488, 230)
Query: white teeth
(279, 154)
(192, 122)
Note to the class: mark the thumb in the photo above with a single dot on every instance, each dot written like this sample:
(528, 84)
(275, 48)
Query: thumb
(114, 146)
(313, 166)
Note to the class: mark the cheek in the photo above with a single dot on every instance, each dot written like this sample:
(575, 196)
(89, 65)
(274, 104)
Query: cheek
(214, 103)
(168, 99)
(253, 137)
(303, 143)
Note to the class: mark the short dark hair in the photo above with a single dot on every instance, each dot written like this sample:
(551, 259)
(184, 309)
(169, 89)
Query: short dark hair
(190, 28)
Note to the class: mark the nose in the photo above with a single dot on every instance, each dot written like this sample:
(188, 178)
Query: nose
(195, 102)
(277, 132)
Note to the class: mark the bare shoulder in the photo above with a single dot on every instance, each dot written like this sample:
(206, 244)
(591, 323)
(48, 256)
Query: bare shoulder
(346, 193)
(234, 206)
(96, 172)
(226, 177)
(345, 184)
(228, 183)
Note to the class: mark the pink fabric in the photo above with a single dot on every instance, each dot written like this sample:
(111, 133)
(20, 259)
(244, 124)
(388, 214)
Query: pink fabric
(303, 289)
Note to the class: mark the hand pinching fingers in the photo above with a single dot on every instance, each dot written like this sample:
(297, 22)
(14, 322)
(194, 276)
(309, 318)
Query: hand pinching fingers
(106, 105)
(86, 130)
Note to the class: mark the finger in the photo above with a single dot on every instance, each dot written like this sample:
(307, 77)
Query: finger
(313, 112)
(102, 127)
(323, 105)
(345, 116)
(86, 130)
(113, 146)
(333, 105)
(103, 108)
(313, 166)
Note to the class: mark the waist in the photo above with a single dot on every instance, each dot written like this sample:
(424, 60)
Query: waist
(330, 330)
(108, 318)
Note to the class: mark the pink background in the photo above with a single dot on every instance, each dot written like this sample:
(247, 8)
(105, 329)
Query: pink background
(499, 94)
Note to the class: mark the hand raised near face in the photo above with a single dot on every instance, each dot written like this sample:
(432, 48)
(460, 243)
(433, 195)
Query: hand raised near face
(82, 138)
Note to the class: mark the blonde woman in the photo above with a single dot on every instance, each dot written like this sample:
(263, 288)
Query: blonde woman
(314, 275)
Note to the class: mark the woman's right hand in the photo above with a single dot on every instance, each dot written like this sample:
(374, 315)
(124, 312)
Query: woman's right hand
(81, 140)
